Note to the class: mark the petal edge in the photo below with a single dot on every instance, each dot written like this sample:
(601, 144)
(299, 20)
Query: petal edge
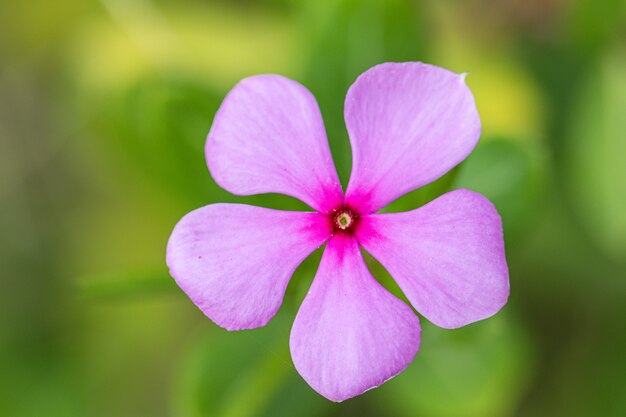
(234, 261)
(448, 257)
(351, 335)
(409, 123)
(268, 137)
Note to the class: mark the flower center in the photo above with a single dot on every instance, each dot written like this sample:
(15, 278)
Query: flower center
(343, 219)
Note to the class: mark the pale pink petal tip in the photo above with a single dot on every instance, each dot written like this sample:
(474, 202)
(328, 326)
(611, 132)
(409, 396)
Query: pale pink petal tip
(235, 261)
(351, 334)
(447, 257)
(268, 137)
(409, 123)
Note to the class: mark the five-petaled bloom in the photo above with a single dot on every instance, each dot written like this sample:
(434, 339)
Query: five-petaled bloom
(408, 123)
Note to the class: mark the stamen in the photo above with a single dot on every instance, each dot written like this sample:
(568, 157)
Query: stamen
(343, 220)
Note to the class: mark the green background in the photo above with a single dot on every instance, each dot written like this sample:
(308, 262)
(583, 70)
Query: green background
(104, 110)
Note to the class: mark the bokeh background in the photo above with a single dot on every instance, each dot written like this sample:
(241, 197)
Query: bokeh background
(104, 110)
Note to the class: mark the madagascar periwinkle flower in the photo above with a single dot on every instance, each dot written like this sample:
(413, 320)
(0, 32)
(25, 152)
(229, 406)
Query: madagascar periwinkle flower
(408, 123)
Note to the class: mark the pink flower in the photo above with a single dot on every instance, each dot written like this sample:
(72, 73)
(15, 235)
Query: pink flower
(409, 124)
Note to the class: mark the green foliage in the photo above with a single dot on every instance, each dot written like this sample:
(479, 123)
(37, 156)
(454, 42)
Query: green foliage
(243, 374)
(594, 23)
(125, 285)
(480, 370)
(597, 145)
(160, 124)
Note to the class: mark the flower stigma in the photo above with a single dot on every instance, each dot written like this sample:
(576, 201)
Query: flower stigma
(343, 219)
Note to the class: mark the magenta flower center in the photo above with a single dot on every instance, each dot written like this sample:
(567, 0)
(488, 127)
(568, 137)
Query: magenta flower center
(343, 219)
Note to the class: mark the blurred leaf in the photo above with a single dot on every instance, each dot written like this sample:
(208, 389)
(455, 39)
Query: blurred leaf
(593, 23)
(125, 285)
(512, 174)
(243, 374)
(32, 27)
(216, 42)
(596, 167)
(508, 100)
(480, 370)
(40, 385)
(588, 376)
(160, 124)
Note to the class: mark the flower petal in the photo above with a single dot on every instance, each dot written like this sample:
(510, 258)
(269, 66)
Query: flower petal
(268, 137)
(409, 124)
(351, 334)
(447, 256)
(234, 261)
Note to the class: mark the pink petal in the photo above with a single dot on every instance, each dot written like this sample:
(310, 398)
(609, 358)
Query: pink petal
(268, 137)
(408, 124)
(447, 256)
(234, 261)
(351, 334)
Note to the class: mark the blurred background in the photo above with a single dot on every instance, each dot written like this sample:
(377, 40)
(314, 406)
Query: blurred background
(104, 110)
